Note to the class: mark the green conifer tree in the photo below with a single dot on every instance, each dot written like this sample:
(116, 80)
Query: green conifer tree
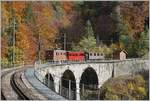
(88, 42)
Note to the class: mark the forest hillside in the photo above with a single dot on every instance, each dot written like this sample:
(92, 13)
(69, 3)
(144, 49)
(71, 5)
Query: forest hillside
(114, 25)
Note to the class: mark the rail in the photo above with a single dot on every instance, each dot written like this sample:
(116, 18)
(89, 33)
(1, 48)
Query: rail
(15, 86)
(12, 82)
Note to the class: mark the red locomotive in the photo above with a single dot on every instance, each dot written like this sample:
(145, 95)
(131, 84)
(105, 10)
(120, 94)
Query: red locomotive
(75, 56)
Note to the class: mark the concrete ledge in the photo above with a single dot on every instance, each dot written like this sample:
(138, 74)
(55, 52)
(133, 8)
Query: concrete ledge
(29, 73)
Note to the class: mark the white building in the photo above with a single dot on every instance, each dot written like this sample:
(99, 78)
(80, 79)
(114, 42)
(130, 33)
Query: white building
(123, 55)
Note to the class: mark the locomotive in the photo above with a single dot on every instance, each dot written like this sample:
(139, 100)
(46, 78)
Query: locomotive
(63, 55)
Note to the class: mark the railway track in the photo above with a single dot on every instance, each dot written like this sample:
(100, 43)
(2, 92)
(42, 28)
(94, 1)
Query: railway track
(10, 85)
(7, 92)
(16, 87)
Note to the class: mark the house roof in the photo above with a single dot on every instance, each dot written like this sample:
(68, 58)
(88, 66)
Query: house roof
(124, 51)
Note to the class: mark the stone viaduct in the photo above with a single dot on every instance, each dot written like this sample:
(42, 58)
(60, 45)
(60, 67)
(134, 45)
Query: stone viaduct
(100, 72)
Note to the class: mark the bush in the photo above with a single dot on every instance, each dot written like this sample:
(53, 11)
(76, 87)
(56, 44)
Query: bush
(4, 63)
(125, 88)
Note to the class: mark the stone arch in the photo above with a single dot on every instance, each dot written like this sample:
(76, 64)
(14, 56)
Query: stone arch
(68, 81)
(88, 83)
(49, 81)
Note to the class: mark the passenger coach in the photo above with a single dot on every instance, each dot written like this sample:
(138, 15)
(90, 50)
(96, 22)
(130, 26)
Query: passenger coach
(56, 55)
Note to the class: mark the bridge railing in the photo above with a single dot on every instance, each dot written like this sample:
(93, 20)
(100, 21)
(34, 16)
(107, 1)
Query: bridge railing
(57, 63)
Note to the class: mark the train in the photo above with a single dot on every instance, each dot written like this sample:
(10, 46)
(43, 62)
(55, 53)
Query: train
(63, 55)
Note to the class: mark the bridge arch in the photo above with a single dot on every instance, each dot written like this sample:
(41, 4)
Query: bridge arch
(68, 85)
(49, 81)
(88, 82)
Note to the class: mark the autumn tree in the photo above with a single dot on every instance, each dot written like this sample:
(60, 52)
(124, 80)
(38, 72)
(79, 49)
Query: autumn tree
(130, 12)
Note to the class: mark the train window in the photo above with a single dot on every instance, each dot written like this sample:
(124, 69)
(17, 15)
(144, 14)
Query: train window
(97, 54)
(94, 54)
(90, 53)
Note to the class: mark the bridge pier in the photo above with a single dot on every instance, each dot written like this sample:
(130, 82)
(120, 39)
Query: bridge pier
(77, 89)
(56, 84)
(99, 86)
